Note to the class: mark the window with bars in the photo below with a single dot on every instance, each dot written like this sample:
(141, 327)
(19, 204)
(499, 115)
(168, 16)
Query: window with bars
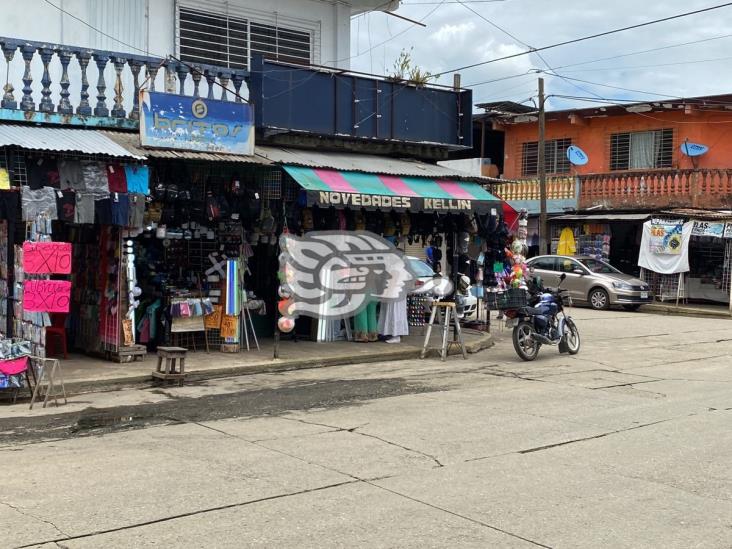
(220, 39)
(555, 154)
(642, 150)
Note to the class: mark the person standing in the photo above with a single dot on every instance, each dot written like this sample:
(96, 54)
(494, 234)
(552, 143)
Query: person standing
(364, 324)
(393, 322)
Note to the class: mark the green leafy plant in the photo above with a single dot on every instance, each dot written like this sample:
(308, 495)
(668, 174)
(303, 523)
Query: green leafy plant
(406, 71)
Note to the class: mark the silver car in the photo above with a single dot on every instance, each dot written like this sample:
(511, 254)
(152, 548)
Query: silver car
(592, 281)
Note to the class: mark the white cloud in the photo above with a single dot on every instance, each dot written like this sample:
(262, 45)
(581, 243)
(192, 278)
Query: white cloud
(455, 37)
(452, 34)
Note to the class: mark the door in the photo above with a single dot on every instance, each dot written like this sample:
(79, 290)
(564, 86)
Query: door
(577, 284)
(546, 268)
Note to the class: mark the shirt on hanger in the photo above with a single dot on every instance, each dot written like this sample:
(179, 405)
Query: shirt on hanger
(70, 175)
(66, 205)
(116, 178)
(42, 172)
(95, 178)
(138, 178)
(103, 210)
(120, 209)
(84, 212)
(39, 202)
(136, 210)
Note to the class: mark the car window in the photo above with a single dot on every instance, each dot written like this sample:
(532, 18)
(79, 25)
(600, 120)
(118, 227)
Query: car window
(597, 266)
(544, 263)
(567, 265)
(421, 268)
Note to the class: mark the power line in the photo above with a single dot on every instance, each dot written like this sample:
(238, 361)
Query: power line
(629, 54)
(429, 14)
(584, 38)
(637, 67)
(618, 87)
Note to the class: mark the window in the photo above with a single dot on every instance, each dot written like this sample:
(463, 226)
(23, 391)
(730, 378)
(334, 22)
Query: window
(213, 39)
(555, 153)
(641, 150)
(544, 264)
(597, 266)
(220, 39)
(568, 265)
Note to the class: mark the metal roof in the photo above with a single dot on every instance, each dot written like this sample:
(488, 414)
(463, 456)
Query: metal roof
(42, 138)
(705, 215)
(366, 163)
(602, 217)
(131, 142)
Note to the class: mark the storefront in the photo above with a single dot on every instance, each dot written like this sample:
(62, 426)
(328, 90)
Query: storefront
(614, 238)
(181, 247)
(699, 268)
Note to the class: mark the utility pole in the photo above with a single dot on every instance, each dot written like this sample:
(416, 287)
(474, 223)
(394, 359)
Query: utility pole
(543, 232)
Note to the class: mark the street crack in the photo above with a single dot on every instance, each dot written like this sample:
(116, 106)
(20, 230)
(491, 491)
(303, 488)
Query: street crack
(601, 435)
(31, 515)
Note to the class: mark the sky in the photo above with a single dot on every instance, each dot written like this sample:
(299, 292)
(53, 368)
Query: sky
(455, 36)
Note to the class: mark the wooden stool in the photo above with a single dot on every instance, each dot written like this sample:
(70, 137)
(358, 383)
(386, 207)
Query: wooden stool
(50, 380)
(171, 354)
(447, 313)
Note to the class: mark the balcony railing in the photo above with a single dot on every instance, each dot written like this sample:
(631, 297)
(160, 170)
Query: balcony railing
(61, 84)
(700, 188)
(52, 83)
(557, 188)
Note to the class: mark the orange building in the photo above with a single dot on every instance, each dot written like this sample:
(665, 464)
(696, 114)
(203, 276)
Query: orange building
(635, 158)
(636, 169)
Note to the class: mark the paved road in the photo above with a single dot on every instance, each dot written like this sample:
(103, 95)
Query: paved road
(626, 445)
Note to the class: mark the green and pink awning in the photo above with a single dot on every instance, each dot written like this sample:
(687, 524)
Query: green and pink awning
(357, 190)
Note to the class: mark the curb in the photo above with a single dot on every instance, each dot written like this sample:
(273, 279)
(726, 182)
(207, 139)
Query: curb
(271, 366)
(671, 310)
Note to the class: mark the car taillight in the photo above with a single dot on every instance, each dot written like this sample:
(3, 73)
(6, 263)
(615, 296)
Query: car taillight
(418, 283)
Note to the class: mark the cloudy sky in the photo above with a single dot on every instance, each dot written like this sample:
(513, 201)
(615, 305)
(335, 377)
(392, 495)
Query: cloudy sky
(455, 36)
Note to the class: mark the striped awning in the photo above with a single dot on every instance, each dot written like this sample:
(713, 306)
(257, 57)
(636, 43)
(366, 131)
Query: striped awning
(372, 191)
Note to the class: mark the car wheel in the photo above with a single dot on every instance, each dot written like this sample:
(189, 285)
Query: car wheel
(599, 300)
(633, 307)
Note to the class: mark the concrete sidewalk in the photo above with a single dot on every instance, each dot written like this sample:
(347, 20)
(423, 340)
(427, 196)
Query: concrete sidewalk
(84, 373)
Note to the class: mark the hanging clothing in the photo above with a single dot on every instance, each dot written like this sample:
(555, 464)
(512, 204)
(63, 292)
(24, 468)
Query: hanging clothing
(393, 319)
(38, 202)
(567, 244)
(137, 179)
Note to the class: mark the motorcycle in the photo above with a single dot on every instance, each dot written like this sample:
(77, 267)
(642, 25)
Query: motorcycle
(541, 324)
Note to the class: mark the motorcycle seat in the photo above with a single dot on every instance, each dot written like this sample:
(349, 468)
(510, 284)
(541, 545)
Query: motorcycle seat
(530, 311)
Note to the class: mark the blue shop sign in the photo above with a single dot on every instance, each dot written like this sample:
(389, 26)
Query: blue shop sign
(170, 121)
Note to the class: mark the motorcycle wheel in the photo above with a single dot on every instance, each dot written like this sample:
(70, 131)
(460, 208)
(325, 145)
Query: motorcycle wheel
(526, 348)
(572, 337)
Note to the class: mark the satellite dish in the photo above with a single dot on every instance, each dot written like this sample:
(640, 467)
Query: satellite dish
(693, 149)
(577, 156)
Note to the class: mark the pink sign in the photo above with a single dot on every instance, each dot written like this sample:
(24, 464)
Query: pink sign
(47, 257)
(14, 366)
(50, 296)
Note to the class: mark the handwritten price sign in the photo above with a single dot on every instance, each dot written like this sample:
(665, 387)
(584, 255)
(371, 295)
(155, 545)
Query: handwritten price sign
(47, 257)
(229, 326)
(50, 296)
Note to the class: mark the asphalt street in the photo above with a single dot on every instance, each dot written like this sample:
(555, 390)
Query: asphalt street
(627, 444)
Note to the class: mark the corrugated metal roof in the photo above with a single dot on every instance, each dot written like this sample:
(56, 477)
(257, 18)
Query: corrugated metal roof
(42, 138)
(366, 163)
(705, 215)
(603, 217)
(131, 142)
